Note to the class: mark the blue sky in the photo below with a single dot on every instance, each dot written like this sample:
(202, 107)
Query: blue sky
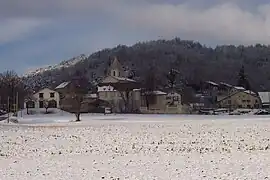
(36, 33)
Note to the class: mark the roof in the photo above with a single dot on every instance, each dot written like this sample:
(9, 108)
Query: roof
(225, 84)
(62, 85)
(212, 83)
(124, 79)
(112, 79)
(115, 64)
(239, 88)
(247, 92)
(156, 93)
(105, 88)
(264, 96)
(250, 92)
(43, 90)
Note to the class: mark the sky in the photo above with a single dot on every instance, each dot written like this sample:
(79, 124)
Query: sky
(36, 33)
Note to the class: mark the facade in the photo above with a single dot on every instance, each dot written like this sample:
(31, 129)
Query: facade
(153, 102)
(43, 98)
(117, 98)
(174, 103)
(240, 99)
(265, 99)
(66, 98)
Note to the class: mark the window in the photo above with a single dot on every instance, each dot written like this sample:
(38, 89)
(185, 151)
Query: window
(248, 101)
(52, 95)
(114, 73)
(229, 101)
(249, 106)
(119, 73)
(41, 95)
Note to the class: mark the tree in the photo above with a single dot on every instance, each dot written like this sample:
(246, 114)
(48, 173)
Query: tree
(79, 88)
(243, 80)
(150, 85)
(12, 85)
(172, 77)
(46, 105)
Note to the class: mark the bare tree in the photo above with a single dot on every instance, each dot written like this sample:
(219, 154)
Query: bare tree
(79, 88)
(150, 85)
(46, 105)
(11, 85)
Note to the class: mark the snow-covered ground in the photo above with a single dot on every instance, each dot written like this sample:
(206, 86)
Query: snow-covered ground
(136, 147)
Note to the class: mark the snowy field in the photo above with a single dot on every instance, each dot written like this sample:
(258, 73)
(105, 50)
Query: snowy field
(135, 147)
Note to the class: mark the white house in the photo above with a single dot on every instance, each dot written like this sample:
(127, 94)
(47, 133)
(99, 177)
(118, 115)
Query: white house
(44, 96)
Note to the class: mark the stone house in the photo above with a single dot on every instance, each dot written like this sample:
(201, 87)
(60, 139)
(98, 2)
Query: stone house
(65, 102)
(240, 99)
(127, 89)
(153, 102)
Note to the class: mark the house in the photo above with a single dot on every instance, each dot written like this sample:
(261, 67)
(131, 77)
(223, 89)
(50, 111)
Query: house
(153, 102)
(240, 99)
(64, 90)
(115, 99)
(265, 99)
(174, 103)
(173, 98)
(43, 98)
(127, 92)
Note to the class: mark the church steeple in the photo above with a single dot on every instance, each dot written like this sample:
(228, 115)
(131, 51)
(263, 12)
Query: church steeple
(116, 68)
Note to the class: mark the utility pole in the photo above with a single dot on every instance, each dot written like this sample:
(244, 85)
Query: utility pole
(17, 102)
(268, 101)
(8, 109)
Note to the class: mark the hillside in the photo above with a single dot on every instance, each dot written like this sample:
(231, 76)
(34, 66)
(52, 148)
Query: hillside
(195, 61)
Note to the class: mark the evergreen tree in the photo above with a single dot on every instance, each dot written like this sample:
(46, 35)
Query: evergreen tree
(171, 77)
(243, 80)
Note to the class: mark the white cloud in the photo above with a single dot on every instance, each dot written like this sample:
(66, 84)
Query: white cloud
(13, 29)
(225, 22)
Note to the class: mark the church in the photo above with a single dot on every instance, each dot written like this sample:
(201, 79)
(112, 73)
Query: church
(119, 90)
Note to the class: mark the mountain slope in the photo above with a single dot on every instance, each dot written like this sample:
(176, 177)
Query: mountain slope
(196, 63)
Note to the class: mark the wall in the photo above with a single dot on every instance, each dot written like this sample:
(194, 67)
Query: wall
(46, 96)
(117, 102)
(241, 100)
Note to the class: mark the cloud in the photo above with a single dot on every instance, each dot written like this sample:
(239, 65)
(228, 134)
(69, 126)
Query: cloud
(45, 32)
(13, 29)
(225, 22)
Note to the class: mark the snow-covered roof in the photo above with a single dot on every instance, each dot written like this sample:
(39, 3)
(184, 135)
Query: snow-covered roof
(250, 92)
(225, 84)
(156, 93)
(105, 89)
(62, 85)
(264, 96)
(212, 83)
(239, 88)
(124, 79)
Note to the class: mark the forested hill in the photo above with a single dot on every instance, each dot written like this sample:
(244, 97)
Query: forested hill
(194, 61)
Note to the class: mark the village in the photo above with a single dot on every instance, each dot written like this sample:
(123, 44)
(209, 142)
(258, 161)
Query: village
(117, 93)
